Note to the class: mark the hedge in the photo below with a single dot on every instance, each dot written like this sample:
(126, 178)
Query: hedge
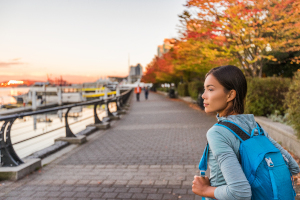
(183, 89)
(163, 89)
(292, 102)
(265, 95)
(194, 88)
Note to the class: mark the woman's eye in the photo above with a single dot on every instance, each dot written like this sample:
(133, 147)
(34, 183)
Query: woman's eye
(210, 89)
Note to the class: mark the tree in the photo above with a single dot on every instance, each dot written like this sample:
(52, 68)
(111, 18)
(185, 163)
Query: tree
(150, 76)
(248, 30)
(161, 70)
(283, 66)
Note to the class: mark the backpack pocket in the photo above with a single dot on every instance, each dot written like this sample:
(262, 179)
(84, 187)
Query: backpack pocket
(272, 179)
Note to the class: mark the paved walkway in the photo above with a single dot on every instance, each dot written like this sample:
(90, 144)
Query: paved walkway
(151, 153)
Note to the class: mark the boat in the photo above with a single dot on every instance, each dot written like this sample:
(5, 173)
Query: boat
(51, 94)
(69, 94)
(96, 92)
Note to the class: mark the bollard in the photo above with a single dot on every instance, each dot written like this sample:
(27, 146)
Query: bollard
(59, 94)
(33, 100)
(105, 97)
(118, 91)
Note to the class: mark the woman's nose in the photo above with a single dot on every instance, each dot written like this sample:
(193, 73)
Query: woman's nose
(203, 95)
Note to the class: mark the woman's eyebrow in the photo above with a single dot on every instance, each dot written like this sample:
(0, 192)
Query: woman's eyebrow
(210, 85)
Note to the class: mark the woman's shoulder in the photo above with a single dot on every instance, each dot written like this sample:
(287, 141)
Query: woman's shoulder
(217, 131)
(220, 134)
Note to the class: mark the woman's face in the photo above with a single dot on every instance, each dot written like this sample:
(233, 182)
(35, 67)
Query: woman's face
(215, 97)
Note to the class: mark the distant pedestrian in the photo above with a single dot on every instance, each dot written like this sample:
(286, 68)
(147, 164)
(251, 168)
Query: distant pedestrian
(146, 89)
(137, 91)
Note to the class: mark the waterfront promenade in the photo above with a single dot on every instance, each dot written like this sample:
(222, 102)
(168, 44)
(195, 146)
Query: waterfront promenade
(152, 152)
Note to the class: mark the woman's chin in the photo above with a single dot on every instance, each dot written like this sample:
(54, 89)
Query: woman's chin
(207, 110)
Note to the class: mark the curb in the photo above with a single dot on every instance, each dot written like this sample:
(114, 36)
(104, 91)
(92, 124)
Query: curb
(283, 134)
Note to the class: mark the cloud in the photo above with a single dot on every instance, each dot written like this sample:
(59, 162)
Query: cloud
(14, 61)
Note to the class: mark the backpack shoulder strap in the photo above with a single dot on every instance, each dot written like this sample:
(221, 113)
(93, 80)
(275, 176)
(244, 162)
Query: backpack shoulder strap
(203, 161)
(240, 133)
(232, 127)
(261, 131)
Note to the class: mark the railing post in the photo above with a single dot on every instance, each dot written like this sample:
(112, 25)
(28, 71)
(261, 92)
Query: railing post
(108, 113)
(117, 103)
(121, 101)
(69, 133)
(8, 155)
(96, 118)
(98, 123)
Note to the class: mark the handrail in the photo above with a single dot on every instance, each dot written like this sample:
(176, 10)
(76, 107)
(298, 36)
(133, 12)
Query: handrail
(7, 152)
(84, 103)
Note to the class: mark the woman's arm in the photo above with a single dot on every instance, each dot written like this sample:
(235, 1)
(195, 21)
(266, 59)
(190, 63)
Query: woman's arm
(237, 186)
(293, 165)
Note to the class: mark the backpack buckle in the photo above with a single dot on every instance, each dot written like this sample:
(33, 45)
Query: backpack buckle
(202, 173)
(269, 162)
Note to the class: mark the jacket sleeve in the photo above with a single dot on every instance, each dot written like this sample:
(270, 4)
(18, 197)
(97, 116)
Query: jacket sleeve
(293, 165)
(237, 186)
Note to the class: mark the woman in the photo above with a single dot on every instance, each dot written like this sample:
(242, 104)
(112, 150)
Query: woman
(225, 91)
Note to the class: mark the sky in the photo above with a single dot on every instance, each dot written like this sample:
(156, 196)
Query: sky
(82, 40)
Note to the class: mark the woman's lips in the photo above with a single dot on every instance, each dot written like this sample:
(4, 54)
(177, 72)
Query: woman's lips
(205, 104)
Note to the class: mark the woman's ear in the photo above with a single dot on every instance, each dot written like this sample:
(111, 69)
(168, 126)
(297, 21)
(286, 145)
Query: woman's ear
(231, 95)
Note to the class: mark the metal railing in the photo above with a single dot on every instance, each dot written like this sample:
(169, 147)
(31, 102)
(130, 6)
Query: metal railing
(8, 155)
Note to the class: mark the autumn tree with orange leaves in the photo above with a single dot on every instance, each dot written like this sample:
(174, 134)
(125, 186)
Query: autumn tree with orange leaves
(161, 69)
(249, 34)
(198, 52)
(247, 30)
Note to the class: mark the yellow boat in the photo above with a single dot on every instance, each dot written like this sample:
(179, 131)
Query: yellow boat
(98, 94)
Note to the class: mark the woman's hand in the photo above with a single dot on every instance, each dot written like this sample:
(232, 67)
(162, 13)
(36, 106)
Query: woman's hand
(201, 185)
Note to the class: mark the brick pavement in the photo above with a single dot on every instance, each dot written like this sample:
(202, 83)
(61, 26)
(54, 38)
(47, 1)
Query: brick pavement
(151, 153)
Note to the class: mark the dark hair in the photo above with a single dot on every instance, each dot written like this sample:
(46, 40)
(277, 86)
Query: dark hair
(232, 78)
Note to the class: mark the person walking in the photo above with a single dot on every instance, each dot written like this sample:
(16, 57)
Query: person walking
(137, 91)
(225, 89)
(146, 90)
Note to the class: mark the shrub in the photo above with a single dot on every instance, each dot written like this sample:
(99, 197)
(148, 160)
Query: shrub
(276, 117)
(265, 95)
(163, 89)
(194, 88)
(292, 102)
(183, 89)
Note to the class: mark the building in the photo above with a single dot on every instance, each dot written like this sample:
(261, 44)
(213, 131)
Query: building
(117, 78)
(135, 73)
(162, 49)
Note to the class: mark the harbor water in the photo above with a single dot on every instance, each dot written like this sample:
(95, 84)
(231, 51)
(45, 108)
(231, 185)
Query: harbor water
(34, 133)
(7, 93)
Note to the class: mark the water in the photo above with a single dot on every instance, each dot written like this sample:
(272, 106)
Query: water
(29, 127)
(6, 94)
(25, 128)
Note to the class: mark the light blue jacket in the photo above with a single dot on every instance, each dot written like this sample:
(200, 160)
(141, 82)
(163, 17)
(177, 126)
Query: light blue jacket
(225, 170)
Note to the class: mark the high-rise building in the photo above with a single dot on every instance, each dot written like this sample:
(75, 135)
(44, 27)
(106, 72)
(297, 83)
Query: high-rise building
(135, 73)
(162, 49)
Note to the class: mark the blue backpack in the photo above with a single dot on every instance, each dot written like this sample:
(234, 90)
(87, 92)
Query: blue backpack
(265, 167)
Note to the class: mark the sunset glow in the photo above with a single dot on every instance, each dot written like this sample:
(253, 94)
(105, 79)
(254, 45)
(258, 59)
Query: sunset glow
(14, 82)
(83, 41)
